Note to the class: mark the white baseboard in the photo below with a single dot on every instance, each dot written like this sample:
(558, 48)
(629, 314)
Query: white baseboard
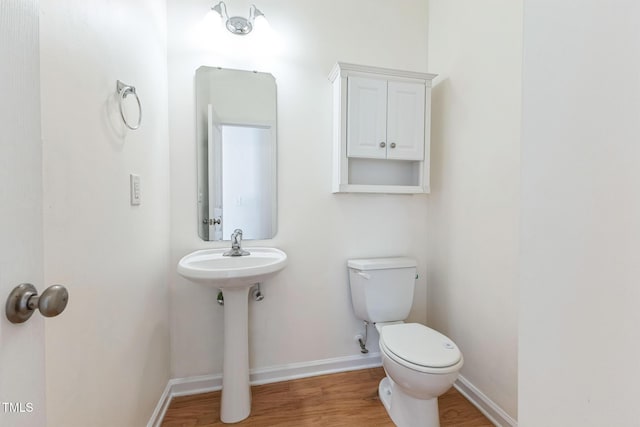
(161, 407)
(207, 383)
(488, 407)
(314, 368)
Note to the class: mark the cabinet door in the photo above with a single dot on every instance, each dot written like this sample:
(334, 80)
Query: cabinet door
(405, 121)
(366, 117)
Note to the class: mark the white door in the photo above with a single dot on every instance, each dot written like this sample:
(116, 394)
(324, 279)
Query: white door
(215, 175)
(22, 366)
(366, 117)
(405, 121)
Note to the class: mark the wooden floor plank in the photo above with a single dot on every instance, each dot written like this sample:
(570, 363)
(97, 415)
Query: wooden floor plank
(338, 400)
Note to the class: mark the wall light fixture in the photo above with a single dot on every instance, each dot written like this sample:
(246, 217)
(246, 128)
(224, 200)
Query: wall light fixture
(237, 24)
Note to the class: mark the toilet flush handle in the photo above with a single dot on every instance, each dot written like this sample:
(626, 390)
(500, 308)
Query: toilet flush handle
(365, 275)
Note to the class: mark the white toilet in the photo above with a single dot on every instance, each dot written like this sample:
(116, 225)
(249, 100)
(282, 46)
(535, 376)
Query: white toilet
(420, 363)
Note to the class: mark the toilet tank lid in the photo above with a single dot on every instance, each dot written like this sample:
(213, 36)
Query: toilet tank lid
(381, 263)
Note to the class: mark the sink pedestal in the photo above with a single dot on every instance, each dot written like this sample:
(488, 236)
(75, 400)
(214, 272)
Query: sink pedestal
(236, 392)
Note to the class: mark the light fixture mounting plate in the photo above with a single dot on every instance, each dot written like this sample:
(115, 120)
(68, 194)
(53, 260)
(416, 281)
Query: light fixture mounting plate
(239, 25)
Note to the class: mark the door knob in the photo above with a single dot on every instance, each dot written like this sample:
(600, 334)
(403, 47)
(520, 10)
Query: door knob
(24, 299)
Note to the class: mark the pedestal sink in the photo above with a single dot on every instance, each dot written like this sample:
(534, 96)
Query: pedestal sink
(234, 276)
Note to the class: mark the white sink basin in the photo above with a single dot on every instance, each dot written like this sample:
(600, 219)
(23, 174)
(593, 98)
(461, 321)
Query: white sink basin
(211, 268)
(234, 276)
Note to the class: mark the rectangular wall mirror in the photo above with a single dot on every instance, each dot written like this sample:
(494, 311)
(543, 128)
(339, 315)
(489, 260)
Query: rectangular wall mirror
(236, 151)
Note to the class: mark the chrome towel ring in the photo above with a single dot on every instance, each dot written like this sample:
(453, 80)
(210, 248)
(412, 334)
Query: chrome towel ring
(124, 90)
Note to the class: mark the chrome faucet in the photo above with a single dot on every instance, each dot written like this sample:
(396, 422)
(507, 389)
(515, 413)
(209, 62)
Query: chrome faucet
(236, 244)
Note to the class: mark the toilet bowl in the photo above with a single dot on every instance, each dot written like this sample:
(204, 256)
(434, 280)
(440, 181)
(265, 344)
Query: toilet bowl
(421, 364)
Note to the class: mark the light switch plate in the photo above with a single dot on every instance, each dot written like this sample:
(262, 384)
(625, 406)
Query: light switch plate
(135, 189)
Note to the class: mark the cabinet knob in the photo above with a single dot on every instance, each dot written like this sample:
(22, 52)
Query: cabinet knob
(393, 145)
(383, 144)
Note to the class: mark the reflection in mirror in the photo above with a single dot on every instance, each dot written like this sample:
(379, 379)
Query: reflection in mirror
(236, 150)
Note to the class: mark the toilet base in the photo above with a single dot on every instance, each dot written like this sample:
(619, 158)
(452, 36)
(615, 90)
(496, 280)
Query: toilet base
(405, 410)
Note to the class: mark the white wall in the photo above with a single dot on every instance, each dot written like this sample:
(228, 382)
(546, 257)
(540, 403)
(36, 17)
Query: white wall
(247, 188)
(473, 211)
(306, 314)
(108, 354)
(579, 335)
(22, 355)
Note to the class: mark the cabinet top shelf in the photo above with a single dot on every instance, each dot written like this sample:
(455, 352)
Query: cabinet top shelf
(342, 69)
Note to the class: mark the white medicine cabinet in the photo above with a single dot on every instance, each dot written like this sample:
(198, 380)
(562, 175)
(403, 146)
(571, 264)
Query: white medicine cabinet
(381, 129)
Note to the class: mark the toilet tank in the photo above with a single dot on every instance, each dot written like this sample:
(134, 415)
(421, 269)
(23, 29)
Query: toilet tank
(382, 288)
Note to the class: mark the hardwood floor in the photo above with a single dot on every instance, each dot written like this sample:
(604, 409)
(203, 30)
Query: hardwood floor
(346, 399)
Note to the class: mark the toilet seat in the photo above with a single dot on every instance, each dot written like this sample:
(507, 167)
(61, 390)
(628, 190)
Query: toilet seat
(420, 348)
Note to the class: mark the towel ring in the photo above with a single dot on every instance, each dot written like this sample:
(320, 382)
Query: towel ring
(123, 91)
